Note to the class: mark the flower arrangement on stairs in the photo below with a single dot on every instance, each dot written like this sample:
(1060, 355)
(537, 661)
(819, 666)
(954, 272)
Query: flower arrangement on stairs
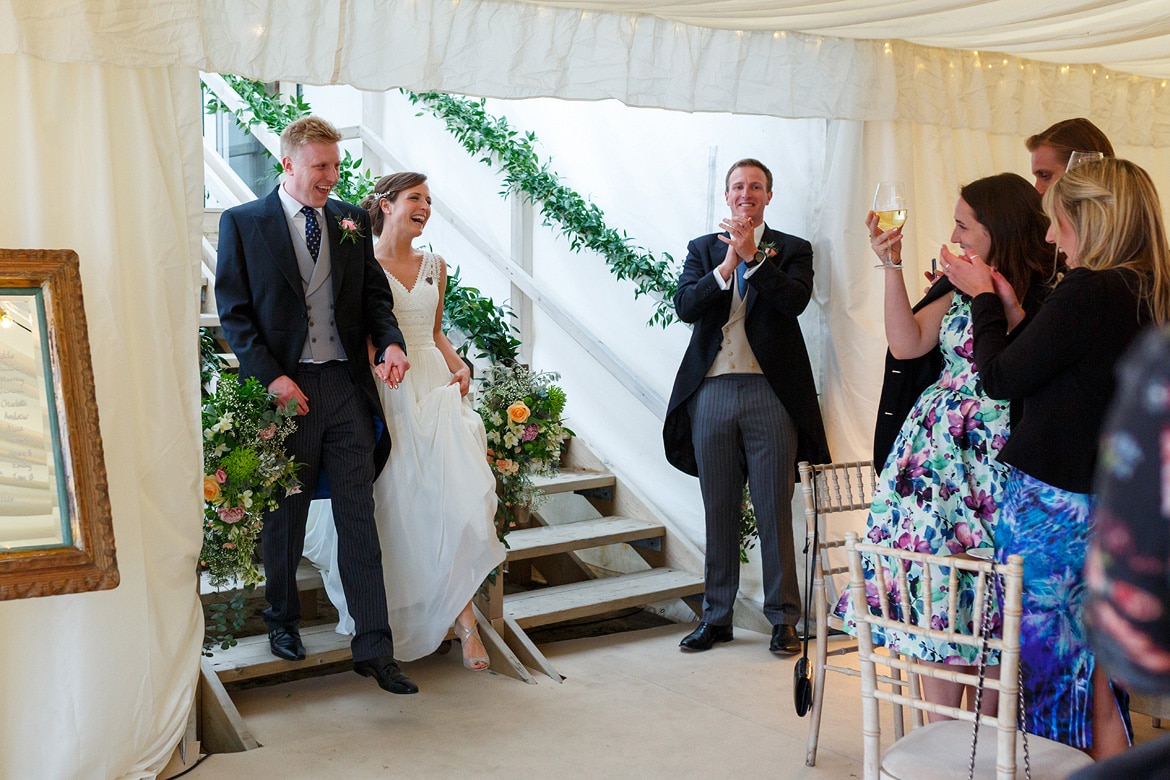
(246, 471)
(521, 413)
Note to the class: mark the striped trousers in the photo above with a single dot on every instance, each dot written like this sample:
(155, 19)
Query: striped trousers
(742, 432)
(338, 437)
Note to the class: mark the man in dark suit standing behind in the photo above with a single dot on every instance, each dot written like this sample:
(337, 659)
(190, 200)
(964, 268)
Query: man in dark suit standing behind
(299, 293)
(744, 405)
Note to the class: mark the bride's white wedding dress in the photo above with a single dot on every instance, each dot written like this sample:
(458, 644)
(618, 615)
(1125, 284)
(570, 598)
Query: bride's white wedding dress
(435, 499)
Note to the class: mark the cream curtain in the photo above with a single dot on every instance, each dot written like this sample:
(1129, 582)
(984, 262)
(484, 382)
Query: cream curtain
(103, 145)
(99, 685)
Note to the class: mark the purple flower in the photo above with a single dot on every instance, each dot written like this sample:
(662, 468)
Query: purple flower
(530, 431)
(983, 504)
(965, 537)
(913, 542)
(963, 421)
(910, 468)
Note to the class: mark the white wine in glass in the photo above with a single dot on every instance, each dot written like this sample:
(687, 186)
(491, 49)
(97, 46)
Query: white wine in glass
(888, 220)
(889, 203)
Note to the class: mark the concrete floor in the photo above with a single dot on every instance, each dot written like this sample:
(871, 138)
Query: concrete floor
(631, 705)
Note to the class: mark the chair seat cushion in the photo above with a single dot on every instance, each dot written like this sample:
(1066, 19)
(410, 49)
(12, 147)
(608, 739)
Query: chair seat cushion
(943, 750)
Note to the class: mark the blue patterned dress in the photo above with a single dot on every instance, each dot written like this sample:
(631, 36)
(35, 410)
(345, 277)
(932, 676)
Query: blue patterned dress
(939, 489)
(1051, 528)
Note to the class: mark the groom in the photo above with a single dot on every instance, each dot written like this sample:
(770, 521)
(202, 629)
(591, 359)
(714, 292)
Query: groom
(299, 293)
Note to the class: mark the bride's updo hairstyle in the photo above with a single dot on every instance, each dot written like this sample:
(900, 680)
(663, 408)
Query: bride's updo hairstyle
(388, 188)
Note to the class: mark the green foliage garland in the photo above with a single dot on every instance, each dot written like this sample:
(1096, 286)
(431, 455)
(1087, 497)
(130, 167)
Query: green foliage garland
(494, 141)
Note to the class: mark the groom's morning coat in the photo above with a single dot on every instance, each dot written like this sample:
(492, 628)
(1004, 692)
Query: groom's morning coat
(778, 291)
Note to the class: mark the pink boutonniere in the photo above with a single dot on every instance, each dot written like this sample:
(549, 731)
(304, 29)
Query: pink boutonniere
(350, 230)
(769, 248)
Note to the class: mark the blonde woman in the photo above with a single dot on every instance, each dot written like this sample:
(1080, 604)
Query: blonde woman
(1059, 363)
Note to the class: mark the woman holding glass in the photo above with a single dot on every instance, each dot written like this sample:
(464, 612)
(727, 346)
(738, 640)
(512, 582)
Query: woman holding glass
(941, 485)
(1059, 363)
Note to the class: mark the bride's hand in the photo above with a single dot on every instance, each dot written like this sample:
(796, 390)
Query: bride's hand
(462, 377)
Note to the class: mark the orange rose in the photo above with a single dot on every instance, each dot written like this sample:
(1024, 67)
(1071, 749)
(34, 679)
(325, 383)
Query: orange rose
(210, 489)
(518, 412)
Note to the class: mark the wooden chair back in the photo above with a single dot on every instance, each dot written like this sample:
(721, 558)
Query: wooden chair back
(943, 749)
(835, 495)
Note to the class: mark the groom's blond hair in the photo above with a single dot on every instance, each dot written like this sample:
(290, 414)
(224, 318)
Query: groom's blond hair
(307, 130)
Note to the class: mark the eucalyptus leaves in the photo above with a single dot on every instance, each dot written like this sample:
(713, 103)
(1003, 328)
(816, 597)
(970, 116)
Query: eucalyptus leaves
(494, 141)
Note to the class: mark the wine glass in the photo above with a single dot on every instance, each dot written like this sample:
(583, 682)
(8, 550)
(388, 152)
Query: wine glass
(889, 203)
(1080, 158)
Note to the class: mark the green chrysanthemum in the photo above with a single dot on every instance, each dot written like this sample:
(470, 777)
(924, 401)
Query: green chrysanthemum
(240, 465)
(556, 401)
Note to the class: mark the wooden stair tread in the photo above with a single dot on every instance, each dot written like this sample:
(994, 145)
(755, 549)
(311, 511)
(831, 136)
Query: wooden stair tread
(251, 657)
(550, 539)
(308, 578)
(594, 597)
(568, 480)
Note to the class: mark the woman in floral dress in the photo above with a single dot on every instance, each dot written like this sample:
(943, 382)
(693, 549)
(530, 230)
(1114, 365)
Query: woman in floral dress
(940, 487)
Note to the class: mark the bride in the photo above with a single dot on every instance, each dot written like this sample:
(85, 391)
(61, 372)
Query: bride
(435, 500)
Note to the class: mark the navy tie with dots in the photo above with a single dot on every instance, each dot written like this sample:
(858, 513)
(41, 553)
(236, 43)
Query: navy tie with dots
(312, 232)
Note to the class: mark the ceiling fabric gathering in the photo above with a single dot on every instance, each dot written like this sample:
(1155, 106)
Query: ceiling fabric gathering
(990, 76)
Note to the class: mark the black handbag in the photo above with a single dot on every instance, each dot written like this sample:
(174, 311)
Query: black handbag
(802, 684)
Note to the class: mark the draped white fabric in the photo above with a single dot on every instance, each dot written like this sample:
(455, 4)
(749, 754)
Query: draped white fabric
(99, 685)
(750, 57)
(104, 157)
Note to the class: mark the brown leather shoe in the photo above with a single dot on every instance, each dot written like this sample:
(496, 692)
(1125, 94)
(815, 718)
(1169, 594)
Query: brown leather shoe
(705, 636)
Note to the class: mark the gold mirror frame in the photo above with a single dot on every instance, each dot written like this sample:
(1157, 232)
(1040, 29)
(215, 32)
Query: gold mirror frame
(89, 562)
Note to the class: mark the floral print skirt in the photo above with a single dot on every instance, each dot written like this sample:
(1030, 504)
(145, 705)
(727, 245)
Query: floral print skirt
(938, 493)
(1050, 528)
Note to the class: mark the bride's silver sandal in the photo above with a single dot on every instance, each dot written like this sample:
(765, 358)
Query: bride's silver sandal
(474, 663)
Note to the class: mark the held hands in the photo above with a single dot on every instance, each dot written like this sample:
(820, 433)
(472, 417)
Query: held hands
(286, 391)
(884, 245)
(741, 236)
(393, 367)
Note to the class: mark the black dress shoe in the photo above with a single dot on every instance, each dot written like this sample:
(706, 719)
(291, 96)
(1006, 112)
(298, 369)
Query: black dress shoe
(706, 635)
(286, 644)
(386, 672)
(784, 640)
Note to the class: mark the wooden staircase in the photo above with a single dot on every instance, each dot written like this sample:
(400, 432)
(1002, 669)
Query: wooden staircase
(548, 557)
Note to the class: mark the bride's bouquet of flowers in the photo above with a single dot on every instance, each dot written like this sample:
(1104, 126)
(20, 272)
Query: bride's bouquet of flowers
(521, 411)
(245, 471)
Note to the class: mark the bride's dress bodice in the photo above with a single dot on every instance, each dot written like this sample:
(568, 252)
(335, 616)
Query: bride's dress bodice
(415, 308)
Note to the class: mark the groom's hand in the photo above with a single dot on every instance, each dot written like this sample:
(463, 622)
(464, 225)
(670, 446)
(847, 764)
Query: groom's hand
(286, 390)
(393, 367)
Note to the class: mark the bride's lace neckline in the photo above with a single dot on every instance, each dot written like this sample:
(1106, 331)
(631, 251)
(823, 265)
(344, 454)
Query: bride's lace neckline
(422, 264)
